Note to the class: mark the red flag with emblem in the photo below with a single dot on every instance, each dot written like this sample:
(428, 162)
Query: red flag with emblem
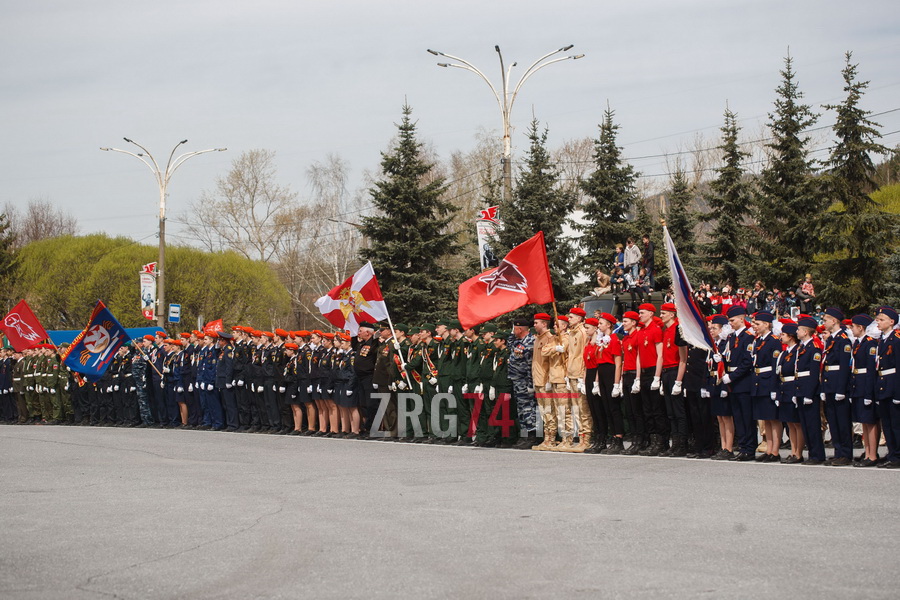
(523, 277)
(22, 328)
(216, 326)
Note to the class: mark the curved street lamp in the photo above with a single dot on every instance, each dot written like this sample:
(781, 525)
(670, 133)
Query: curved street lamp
(162, 177)
(506, 98)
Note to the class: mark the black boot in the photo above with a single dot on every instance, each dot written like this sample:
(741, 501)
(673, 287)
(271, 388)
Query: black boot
(616, 447)
(636, 442)
(598, 444)
(656, 446)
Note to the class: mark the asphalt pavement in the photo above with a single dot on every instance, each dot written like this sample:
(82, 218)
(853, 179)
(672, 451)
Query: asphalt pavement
(145, 513)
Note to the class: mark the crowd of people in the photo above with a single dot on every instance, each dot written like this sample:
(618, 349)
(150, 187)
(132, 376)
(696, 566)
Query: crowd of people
(565, 383)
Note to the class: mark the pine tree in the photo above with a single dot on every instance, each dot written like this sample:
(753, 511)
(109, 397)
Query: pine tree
(611, 198)
(408, 239)
(681, 219)
(540, 204)
(855, 233)
(790, 201)
(728, 199)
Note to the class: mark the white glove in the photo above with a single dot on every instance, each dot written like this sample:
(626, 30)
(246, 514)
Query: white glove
(617, 390)
(723, 394)
(596, 388)
(492, 393)
(374, 386)
(450, 389)
(636, 387)
(180, 390)
(116, 388)
(228, 386)
(896, 401)
(581, 388)
(807, 401)
(676, 388)
(5, 392)
(704, 393)
(166, 370)
(162, 385)
(392, 387)
(240, 382)
(822, 396)
(401, 386)
(839, 397)
(530, 389)
(52, 391)
(109, 390)
(309, 389)
(726, 379)
(397, 345)
(548, 387)
(65, 388)
(568, 387)
(777, 403)
(717, 358)
(273, 387)
(190, 387)
(132, 389)
(560, 348)
(281, 390)
(349, 393)
(654, 385)
(319, 389)
(465, 388)
(867, 402)
(479, 389)
(432, 380)
(773, 395)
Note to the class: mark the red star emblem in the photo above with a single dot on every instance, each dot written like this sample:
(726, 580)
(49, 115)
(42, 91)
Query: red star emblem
(505, 277)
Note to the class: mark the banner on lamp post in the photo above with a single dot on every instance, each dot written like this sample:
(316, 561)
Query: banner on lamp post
(486, 227)
(148, 291)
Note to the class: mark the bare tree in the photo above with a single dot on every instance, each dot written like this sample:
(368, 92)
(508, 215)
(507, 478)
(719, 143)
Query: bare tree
(248, 212)
(40, 220)
(575, 159)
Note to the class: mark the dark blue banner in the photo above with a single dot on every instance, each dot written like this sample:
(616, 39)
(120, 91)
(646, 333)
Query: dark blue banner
(94, 348)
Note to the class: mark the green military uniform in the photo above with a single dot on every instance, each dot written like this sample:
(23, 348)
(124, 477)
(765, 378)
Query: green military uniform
(443, 360)
(473, 350)
(485, 433)
(501, 387)
(19, 385)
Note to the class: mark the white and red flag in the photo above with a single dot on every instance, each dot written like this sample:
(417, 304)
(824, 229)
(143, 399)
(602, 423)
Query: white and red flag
(356, 300)
(22, 328)
(523, 277)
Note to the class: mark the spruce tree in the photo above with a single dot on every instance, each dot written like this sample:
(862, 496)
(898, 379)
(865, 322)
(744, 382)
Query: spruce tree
(681, 219)
(611, 198)
(856, 233)
(408, 237)
(790, 201)
(728, 200)
(539, 203)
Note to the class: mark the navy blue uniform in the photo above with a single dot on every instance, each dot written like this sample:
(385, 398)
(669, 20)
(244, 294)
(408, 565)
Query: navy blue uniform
(808, 402)
(739, 366)
(861, 388)
(786, 370)
(836, 359)
(765, 353)
(887, 392)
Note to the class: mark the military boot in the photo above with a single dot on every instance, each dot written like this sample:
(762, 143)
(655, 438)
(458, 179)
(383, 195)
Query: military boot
(636, 442)
(565, 445)
(584, 443)
(549, 442)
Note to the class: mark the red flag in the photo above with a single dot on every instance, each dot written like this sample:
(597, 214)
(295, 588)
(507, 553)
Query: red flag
(213, 326)
(523, 277)
(23, 328)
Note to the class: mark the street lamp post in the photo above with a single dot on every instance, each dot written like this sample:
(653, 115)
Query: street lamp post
(162, 180)
(505, 98)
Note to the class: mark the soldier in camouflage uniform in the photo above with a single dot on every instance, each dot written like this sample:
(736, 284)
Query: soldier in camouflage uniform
(521, 351)
(142, 381)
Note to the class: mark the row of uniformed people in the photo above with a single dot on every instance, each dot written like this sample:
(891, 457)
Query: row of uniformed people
(33, 386)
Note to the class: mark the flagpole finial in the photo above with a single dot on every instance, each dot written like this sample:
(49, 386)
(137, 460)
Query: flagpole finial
(662, 222)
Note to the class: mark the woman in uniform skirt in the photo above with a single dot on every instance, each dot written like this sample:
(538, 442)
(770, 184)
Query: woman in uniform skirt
(861, 389)
(766, 350)
(719, 406)
(345, 386)
(786, 369)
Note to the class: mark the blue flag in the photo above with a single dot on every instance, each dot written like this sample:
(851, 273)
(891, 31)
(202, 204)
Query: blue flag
(94, 348)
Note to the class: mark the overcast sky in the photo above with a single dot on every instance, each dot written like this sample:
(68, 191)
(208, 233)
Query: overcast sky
(306, 79)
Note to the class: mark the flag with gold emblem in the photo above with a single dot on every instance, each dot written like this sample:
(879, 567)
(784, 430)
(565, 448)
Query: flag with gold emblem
(356, 300)
(95, 347)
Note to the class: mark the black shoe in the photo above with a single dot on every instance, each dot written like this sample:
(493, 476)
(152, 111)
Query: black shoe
(838, 462)
(791, 460)
(865, 462)
(745, 457)
(464, 441)
(231, 429)
(762, 458)
(890, 464)
(773, 458)
(615, 448)
(723, 455)
(814, 462)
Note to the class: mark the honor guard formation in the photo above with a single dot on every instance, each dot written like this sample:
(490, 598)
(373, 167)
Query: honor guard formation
(600, 385)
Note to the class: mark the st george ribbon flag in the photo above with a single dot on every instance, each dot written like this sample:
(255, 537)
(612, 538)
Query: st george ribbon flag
(522, 277)
(356, 300)
(22, 328)
(94, 348)
(691, 321)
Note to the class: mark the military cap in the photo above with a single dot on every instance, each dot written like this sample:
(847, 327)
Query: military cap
(281, 333)
(427, 327)
(864, 320)
(790, 329)
(833, 311)
(542, 317)
(401, 327)
(807, 322)
(455, 325)
(736, 311)
(522, 322)
(718, 320)
(222, 335)
(489, 328)
(648, 307)
(291, 346)
(764, 316)
(367, 325)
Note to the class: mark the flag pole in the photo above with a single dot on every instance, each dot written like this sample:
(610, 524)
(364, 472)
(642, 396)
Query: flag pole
(147, 358)
(397, 347)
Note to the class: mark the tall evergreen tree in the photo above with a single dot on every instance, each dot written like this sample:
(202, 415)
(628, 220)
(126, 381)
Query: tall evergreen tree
(409, 237)
(681, 219)
(539, 203)
(611, 198)
(790, 201)
(856, 233)
(728, 199)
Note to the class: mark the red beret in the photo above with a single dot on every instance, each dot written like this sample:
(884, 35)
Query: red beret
(329, 336)
(161, 334)
(149, 337)
(202, 335)
(631, 315)
(281, 333)
(344, 336)
(291, 346)
(175, 342)
(256, 333)
(303, 333)
(562, 318)
(591, 321)
(316, 332)
(184, 334)
(668, 307)
(577, 311)
(647, 306)
(608, 317)
(542, 317)
(213, 334)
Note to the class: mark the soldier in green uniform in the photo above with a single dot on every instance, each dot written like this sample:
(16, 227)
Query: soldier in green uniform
(19, 387)
(500, 394)
(384, 379)
(473, 348)
(423, 363)
(42, 383)
(443, 360)
(485, 433)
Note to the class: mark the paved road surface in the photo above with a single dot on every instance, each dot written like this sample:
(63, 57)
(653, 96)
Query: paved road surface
(143, 513)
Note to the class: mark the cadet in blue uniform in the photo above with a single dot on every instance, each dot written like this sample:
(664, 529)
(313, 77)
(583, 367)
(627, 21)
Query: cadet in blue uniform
(887, 391)
(766, 350)
(835, 375)
(807, 381)
(717, 393)
(223, 364)
(738, 367)
(861, 388)
(786, 370)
